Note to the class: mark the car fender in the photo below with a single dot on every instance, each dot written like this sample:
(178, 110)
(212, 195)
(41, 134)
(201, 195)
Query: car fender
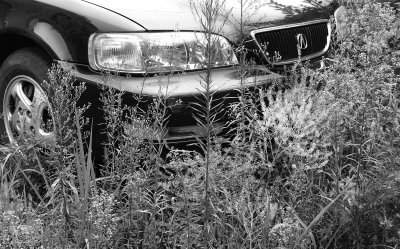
(61, 28)
(53, 40)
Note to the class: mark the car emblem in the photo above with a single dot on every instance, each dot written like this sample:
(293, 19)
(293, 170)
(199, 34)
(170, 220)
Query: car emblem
(301, 41)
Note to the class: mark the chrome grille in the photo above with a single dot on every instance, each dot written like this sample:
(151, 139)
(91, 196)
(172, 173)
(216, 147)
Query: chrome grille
(283, 40)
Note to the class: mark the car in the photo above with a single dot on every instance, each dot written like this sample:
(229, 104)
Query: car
(94, 36)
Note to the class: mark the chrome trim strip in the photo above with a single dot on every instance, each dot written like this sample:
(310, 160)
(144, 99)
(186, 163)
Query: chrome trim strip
(288, 26)
(186, 132)
(290, 61)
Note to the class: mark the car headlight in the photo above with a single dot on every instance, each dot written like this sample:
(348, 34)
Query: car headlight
(153, 52)
(341, 22)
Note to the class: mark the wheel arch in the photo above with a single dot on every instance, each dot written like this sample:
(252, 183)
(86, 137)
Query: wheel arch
(12, 42)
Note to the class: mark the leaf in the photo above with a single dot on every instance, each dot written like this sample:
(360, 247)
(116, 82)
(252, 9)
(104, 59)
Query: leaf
(316, 219)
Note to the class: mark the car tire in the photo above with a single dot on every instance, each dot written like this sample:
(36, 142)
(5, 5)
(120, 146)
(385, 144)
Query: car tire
(23, 102)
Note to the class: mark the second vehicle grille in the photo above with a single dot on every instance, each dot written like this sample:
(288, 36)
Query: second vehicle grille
(284, 40)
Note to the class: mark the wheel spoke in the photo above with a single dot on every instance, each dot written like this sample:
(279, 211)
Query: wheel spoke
(16, 124)
(39, 122)
(38, 97)
(46, 138)
(19, 95)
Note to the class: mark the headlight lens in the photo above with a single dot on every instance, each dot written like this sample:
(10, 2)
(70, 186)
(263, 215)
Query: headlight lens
(341, 22)
(158, 52)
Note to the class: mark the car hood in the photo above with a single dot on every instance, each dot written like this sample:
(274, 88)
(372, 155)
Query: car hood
(180, 15)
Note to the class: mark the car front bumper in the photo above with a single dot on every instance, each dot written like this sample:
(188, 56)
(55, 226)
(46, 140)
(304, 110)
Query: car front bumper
(182, 94)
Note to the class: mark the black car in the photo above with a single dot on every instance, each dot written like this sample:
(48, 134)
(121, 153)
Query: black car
(93, 36)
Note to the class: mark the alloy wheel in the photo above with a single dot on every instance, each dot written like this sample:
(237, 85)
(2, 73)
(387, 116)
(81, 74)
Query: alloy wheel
(26, 112)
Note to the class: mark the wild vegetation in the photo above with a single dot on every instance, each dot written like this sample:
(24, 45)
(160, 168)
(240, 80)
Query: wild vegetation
(313, 160)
